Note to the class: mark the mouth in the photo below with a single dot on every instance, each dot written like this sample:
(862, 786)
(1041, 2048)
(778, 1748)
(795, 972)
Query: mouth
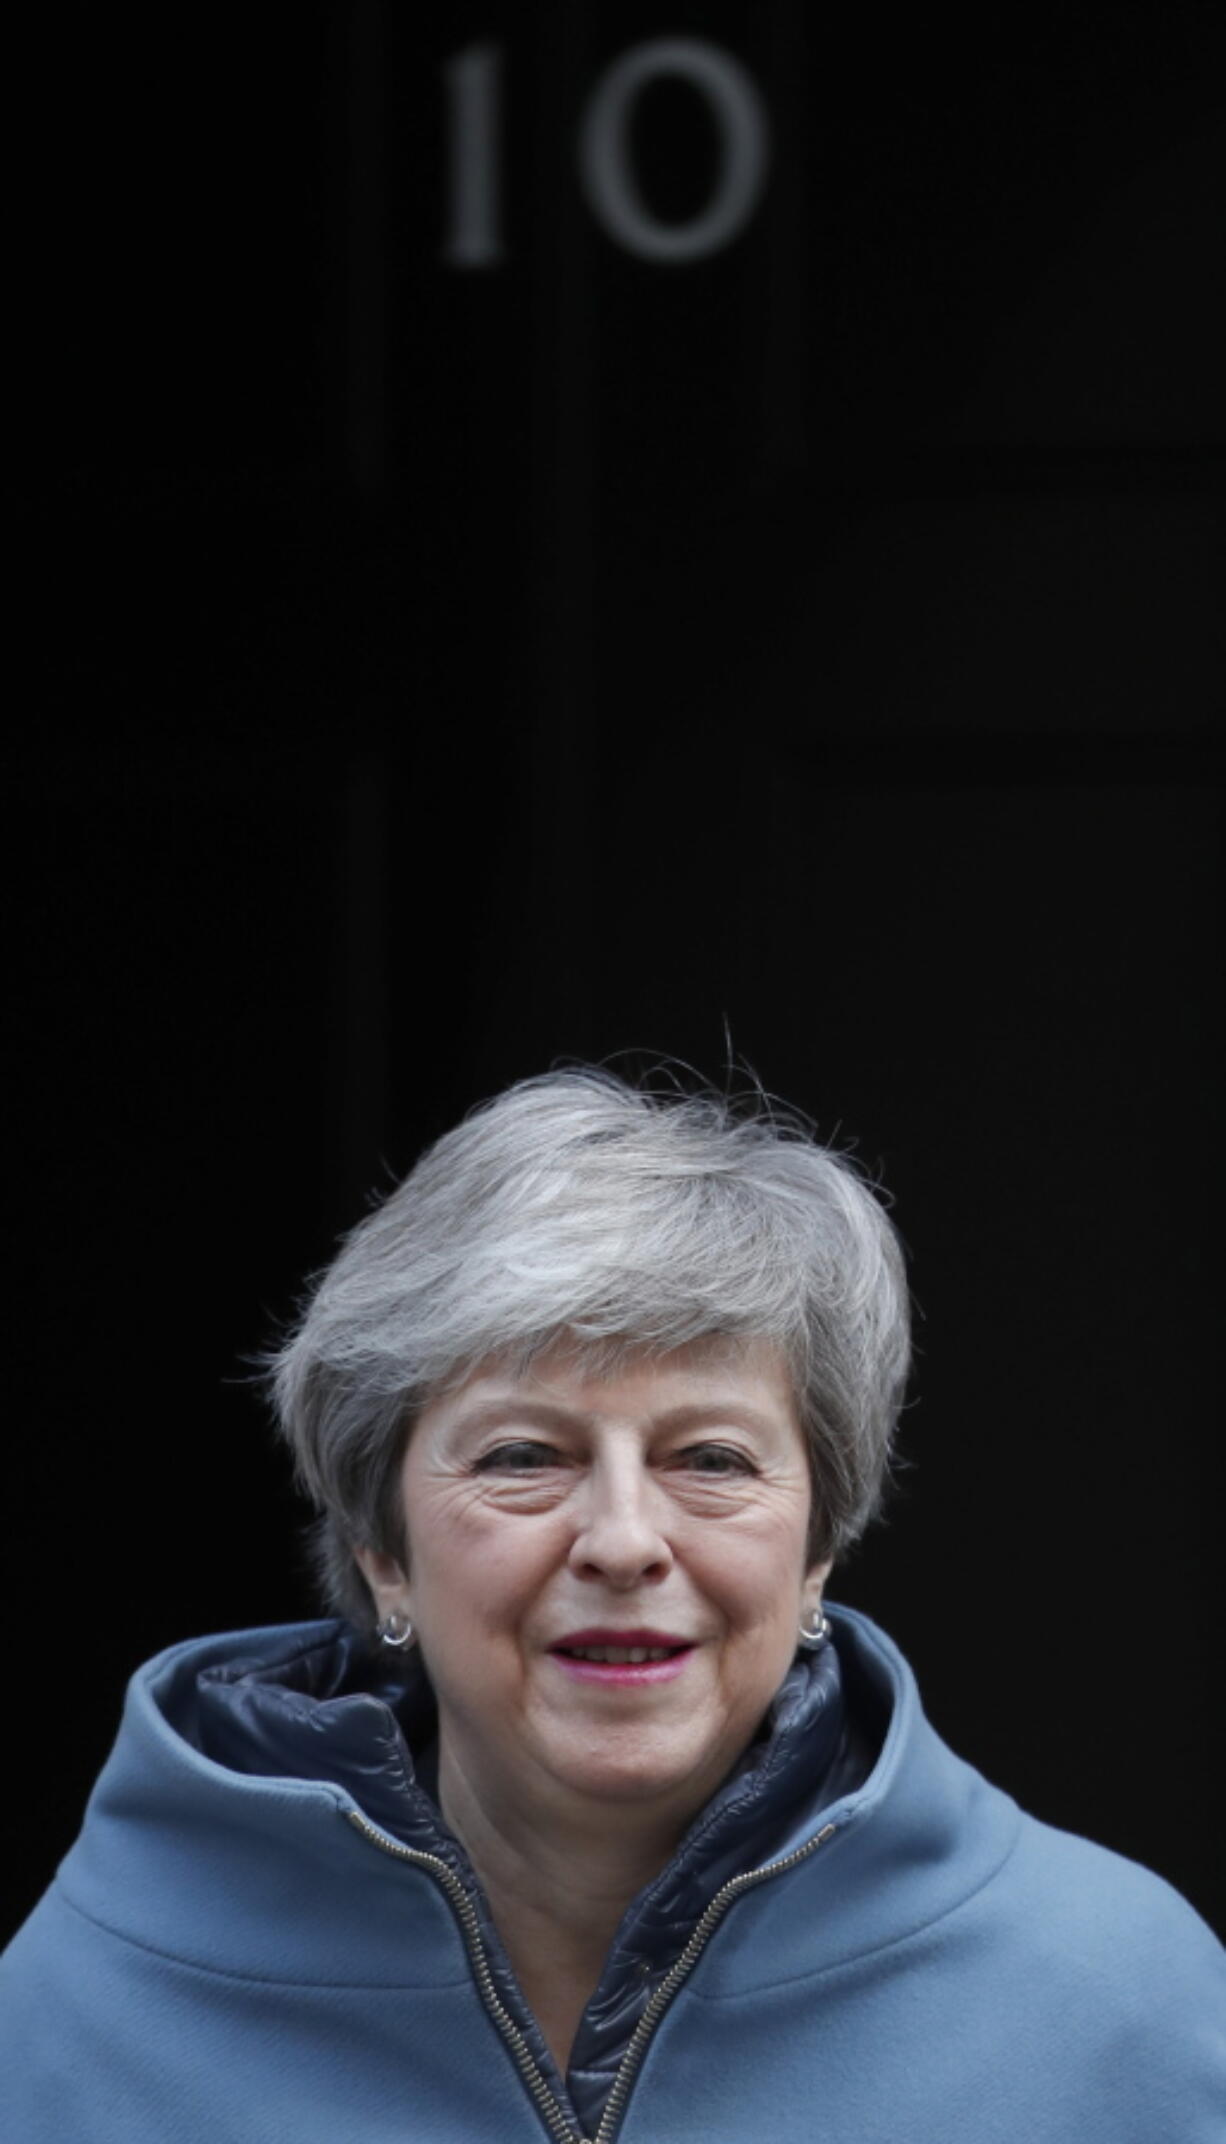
(622, 1657)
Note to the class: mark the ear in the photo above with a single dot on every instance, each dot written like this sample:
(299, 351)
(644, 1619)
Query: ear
(815, 1579)
(388, 1584)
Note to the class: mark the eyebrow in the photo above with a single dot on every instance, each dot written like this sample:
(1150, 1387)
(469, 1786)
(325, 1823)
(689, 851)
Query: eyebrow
(551, 1414)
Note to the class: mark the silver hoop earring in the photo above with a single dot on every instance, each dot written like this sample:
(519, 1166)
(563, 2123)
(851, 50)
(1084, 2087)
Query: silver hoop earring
(813, 1640)
(390, 1636)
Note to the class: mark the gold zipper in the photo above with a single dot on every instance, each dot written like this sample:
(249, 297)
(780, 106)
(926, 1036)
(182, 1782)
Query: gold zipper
(470, 1928)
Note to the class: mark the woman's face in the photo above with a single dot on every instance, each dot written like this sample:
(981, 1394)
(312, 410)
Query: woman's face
(552, 1517)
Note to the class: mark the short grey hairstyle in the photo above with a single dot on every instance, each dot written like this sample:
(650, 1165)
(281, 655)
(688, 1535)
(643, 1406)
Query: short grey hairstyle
(615, 1218)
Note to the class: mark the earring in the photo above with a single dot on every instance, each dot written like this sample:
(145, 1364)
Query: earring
(813, 1640)
(387, 1630)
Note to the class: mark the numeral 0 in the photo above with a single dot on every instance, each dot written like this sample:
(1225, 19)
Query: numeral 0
(474, 205)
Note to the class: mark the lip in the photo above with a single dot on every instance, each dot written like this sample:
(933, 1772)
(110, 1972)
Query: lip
(623, 1673)
(601, 1635)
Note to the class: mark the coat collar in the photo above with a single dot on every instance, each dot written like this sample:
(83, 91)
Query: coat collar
(335, 1712)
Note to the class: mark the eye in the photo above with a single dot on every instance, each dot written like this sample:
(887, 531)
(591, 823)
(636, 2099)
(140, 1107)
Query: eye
(715, 1459)
(523, 1456)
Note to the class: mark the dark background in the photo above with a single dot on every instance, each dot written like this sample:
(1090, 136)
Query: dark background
(426, 671)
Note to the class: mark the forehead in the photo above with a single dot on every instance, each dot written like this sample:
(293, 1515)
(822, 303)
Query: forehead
(708, 1374)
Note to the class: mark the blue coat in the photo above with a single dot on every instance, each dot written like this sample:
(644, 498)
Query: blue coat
(265, 1934)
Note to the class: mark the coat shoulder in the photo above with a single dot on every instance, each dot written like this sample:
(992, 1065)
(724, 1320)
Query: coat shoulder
(1092, 1919)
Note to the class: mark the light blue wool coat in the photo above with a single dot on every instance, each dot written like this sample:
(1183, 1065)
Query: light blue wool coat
(235, 1955)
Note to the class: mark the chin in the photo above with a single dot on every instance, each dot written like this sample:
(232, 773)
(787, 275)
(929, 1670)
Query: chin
(631, 1779)
(629, 1791)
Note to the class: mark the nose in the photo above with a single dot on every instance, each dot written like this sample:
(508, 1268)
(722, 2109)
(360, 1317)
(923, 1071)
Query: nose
(620, 1533)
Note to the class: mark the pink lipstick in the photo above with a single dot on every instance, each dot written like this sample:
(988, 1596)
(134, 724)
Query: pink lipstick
(622, 1657)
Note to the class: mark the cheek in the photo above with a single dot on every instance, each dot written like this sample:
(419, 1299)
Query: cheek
(761, 1571)
(479, 1571)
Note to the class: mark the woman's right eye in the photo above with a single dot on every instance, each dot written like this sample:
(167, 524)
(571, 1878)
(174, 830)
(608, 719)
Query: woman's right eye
(521, 1457)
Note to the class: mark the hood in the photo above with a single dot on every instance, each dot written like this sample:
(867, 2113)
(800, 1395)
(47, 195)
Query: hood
(239, 1757)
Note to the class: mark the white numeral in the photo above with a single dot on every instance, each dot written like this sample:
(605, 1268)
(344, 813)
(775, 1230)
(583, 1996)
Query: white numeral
(474, 145)
(474, 152)
(604, 158)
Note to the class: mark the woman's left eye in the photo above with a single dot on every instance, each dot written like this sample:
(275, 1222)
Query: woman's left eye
(715, 1459)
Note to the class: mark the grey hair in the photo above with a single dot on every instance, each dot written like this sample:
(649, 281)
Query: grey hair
(576, 1207)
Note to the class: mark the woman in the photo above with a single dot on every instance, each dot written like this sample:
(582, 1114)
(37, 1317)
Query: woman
(582, 1814)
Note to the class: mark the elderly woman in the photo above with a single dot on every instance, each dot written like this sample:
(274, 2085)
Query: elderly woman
(583, 1814)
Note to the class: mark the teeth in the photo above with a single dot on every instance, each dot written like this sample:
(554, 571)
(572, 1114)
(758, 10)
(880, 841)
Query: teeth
(622, 1655)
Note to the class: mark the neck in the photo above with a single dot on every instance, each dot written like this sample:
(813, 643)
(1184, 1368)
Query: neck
(558, 1884)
